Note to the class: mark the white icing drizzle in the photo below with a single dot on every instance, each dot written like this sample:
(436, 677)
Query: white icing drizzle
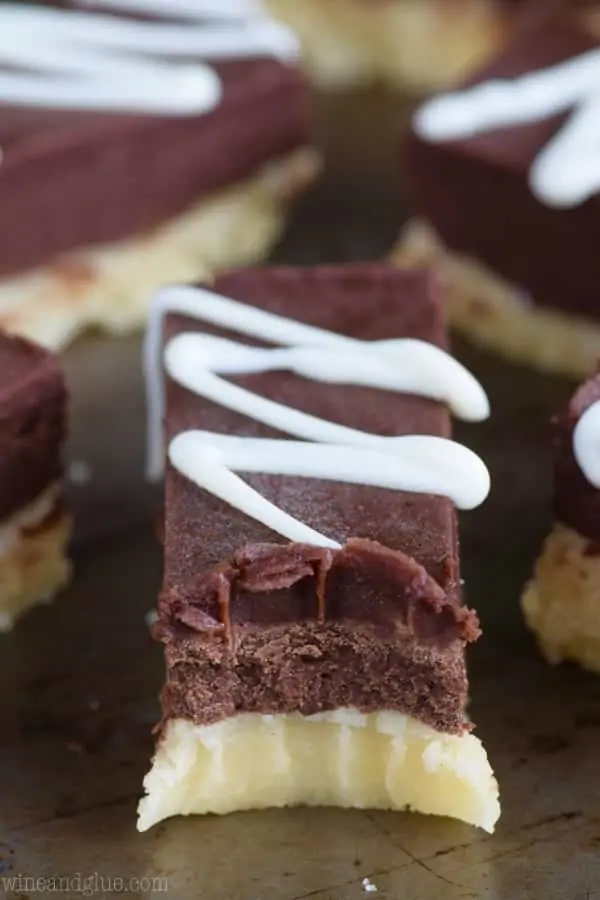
(182, 9)
(586, 444)
(421, 463)
(567, 171)
(72, 59)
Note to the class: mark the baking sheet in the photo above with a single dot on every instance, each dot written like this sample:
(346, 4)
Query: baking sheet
(80, 679)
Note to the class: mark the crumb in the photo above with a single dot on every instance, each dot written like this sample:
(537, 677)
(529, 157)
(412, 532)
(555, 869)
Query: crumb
(151, 619)
(75, 747)
(79, 473)
(368, 886)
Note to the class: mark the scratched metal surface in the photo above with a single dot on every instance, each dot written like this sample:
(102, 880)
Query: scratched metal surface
(80, 679)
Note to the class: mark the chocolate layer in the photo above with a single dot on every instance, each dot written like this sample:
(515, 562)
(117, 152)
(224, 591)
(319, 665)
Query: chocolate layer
(476, 193)
(577, 502)
(32, 422)
(253, 623)
(70, 179)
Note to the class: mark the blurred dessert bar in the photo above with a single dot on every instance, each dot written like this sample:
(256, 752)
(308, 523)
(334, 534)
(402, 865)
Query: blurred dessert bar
(415, 45)
(139, 150)
(562, 601)
(311, 611)
(506, 186)
(34, 527)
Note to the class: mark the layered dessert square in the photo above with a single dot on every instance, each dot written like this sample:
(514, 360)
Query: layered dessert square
(34, 525)
(311, 612)
(504, 182)
(143, 142)
(415, 46)
(561, 603)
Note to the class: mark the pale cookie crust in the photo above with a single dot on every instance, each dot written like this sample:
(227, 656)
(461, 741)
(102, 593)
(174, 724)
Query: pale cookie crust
(419, 45)
(342, 758)
(110, 287)
(499, 316)
(561, 603)
(33, 564)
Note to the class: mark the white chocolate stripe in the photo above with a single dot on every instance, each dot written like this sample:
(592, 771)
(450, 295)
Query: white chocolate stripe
(180, 93)
(586, 444)
(418, 463)
(401, 365)
(182, 9)
(429, 372)
(32, 26)
(567, 171)
(85, 60)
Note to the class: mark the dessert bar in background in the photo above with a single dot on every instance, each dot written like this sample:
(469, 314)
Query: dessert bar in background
(138, 151)
(34, 526)
(562, 601)
(414, 45)
(311, 610)
(506, 188)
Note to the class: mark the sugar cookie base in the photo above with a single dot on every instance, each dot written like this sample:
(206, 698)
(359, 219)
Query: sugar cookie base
(341, 758)
(561, 603)
(416, 45)
(110, 287)
(33, 564)
(496, 315)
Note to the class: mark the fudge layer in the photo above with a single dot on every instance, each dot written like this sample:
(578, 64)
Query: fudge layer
(101, 207)
(281, 653)
(561, 603)
(413, 46)
(498, 204)
(34, 526)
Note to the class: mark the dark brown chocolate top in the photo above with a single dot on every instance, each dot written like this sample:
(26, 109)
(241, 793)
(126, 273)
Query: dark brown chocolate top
(476, 193)
(577, 502)
(69, 179)
(32, 422)
(377, 624)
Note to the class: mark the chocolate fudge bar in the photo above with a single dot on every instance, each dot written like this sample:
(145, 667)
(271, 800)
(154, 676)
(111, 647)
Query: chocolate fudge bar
(34, 525)
(311, 607)
(110, 191)
(415, 46)
(562, 601)
(508, 197)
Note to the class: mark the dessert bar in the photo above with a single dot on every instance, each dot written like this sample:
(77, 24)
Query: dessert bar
(34, 526)
(144, 142)
(562, 601)
(415, 46)
(311, 611)
(507, 191)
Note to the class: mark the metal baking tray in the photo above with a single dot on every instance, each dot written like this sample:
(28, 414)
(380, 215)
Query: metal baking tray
(80, 679)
